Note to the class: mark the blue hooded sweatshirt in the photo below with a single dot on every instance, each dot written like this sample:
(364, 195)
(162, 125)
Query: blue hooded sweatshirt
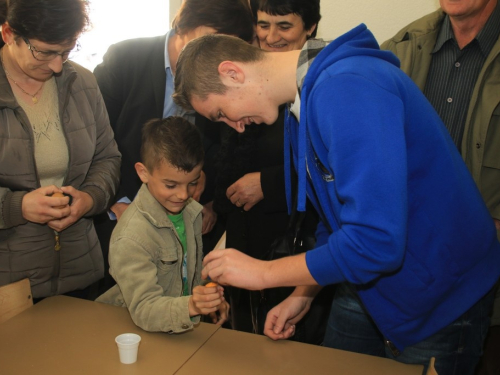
(406, 223)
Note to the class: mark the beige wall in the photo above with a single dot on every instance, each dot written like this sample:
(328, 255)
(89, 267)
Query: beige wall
(383, 17)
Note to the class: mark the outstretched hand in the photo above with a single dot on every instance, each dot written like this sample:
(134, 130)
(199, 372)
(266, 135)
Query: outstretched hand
(232, 267)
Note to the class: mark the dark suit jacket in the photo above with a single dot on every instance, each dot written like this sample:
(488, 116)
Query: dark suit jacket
(132, 80)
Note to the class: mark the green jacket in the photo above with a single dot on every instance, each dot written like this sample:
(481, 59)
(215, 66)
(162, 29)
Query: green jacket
(481, 141)
(145, 258)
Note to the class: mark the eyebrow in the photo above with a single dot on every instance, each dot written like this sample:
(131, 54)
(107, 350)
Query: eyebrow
(281, 23)
(177, 182)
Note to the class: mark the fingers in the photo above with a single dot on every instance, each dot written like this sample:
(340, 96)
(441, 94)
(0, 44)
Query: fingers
(210, 268)
(276, 331)
(223, 313)
(207, 223)
(213, 317)
(70, 190)
(208, 299)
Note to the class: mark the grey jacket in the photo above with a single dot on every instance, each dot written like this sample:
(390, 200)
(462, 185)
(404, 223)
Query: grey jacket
(145, 258)
(481, 141)
(27, 249)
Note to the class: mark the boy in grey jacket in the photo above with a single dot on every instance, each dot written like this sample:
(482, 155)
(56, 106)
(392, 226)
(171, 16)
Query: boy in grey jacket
(155, 252)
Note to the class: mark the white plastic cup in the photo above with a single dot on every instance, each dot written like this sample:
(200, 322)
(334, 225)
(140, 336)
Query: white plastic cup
(128, 345)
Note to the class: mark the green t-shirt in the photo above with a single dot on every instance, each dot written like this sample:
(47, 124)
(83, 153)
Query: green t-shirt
(180, 228)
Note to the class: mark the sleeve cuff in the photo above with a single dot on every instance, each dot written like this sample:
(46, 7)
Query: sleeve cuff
(99, 199)
(322, 267)
(13, 209)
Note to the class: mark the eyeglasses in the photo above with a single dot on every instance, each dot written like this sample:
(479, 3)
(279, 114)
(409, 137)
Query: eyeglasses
(50, 55)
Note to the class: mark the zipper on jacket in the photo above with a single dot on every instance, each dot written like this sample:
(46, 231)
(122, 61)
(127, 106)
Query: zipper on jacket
(57, 245)
(57, 264)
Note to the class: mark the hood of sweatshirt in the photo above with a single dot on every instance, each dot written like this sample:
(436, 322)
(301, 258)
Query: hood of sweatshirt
(315, 58)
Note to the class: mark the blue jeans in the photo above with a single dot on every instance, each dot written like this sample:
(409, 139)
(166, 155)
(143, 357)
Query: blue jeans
(457, 347)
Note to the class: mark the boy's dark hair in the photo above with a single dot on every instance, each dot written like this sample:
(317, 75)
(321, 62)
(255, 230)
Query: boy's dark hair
(49, 21)
(308, 10)
(230, 17)
(173, 140)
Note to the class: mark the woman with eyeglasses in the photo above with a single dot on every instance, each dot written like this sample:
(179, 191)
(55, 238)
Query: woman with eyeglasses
(59, 163)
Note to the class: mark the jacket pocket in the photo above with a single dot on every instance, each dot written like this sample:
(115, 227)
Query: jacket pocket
(168, 257)
(169, 271)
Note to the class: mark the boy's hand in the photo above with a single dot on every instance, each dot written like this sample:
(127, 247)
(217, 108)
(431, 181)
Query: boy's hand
(205, 300)
(219, 317)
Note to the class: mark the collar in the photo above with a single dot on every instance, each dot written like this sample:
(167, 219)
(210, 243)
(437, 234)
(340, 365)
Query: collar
(170, 34)
(156, 214)
(486, 38)
(307, 55)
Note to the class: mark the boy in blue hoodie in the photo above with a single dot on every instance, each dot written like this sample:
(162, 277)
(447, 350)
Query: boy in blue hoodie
(404, 230)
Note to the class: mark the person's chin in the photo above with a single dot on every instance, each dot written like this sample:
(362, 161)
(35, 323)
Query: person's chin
(175, 208)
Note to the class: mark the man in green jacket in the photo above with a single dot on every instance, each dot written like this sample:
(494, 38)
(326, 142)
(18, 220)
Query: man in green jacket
(453, 55)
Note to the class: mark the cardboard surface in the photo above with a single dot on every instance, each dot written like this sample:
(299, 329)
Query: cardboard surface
(232, 352)
(14, 298)
(64, 335)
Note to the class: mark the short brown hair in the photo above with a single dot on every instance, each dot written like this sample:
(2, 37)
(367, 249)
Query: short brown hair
(197, 67)
(52, 22)
(173, 140)
(231, 17)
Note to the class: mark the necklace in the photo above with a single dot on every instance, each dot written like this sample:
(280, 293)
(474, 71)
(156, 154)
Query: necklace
(34, 99)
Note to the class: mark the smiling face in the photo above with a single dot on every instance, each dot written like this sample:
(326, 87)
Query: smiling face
(170, 186)
(236, 109)
(281, 33)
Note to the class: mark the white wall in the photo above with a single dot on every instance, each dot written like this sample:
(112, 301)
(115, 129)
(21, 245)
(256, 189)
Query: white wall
(115, 20)
(383, 17)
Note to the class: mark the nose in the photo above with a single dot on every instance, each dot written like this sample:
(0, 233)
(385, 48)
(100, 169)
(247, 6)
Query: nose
(182, 193)
(56, 64)
(239, 126)
(273, 35)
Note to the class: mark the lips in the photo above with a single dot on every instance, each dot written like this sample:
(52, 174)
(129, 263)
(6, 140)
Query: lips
(277, 46)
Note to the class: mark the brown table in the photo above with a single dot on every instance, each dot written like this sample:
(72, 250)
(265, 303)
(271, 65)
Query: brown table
(64, 335)
(231, 352)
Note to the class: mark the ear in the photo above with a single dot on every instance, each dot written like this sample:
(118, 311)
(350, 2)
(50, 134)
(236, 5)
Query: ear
(231, 73)
(7, 34)
(311, 30)
(142, 172)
